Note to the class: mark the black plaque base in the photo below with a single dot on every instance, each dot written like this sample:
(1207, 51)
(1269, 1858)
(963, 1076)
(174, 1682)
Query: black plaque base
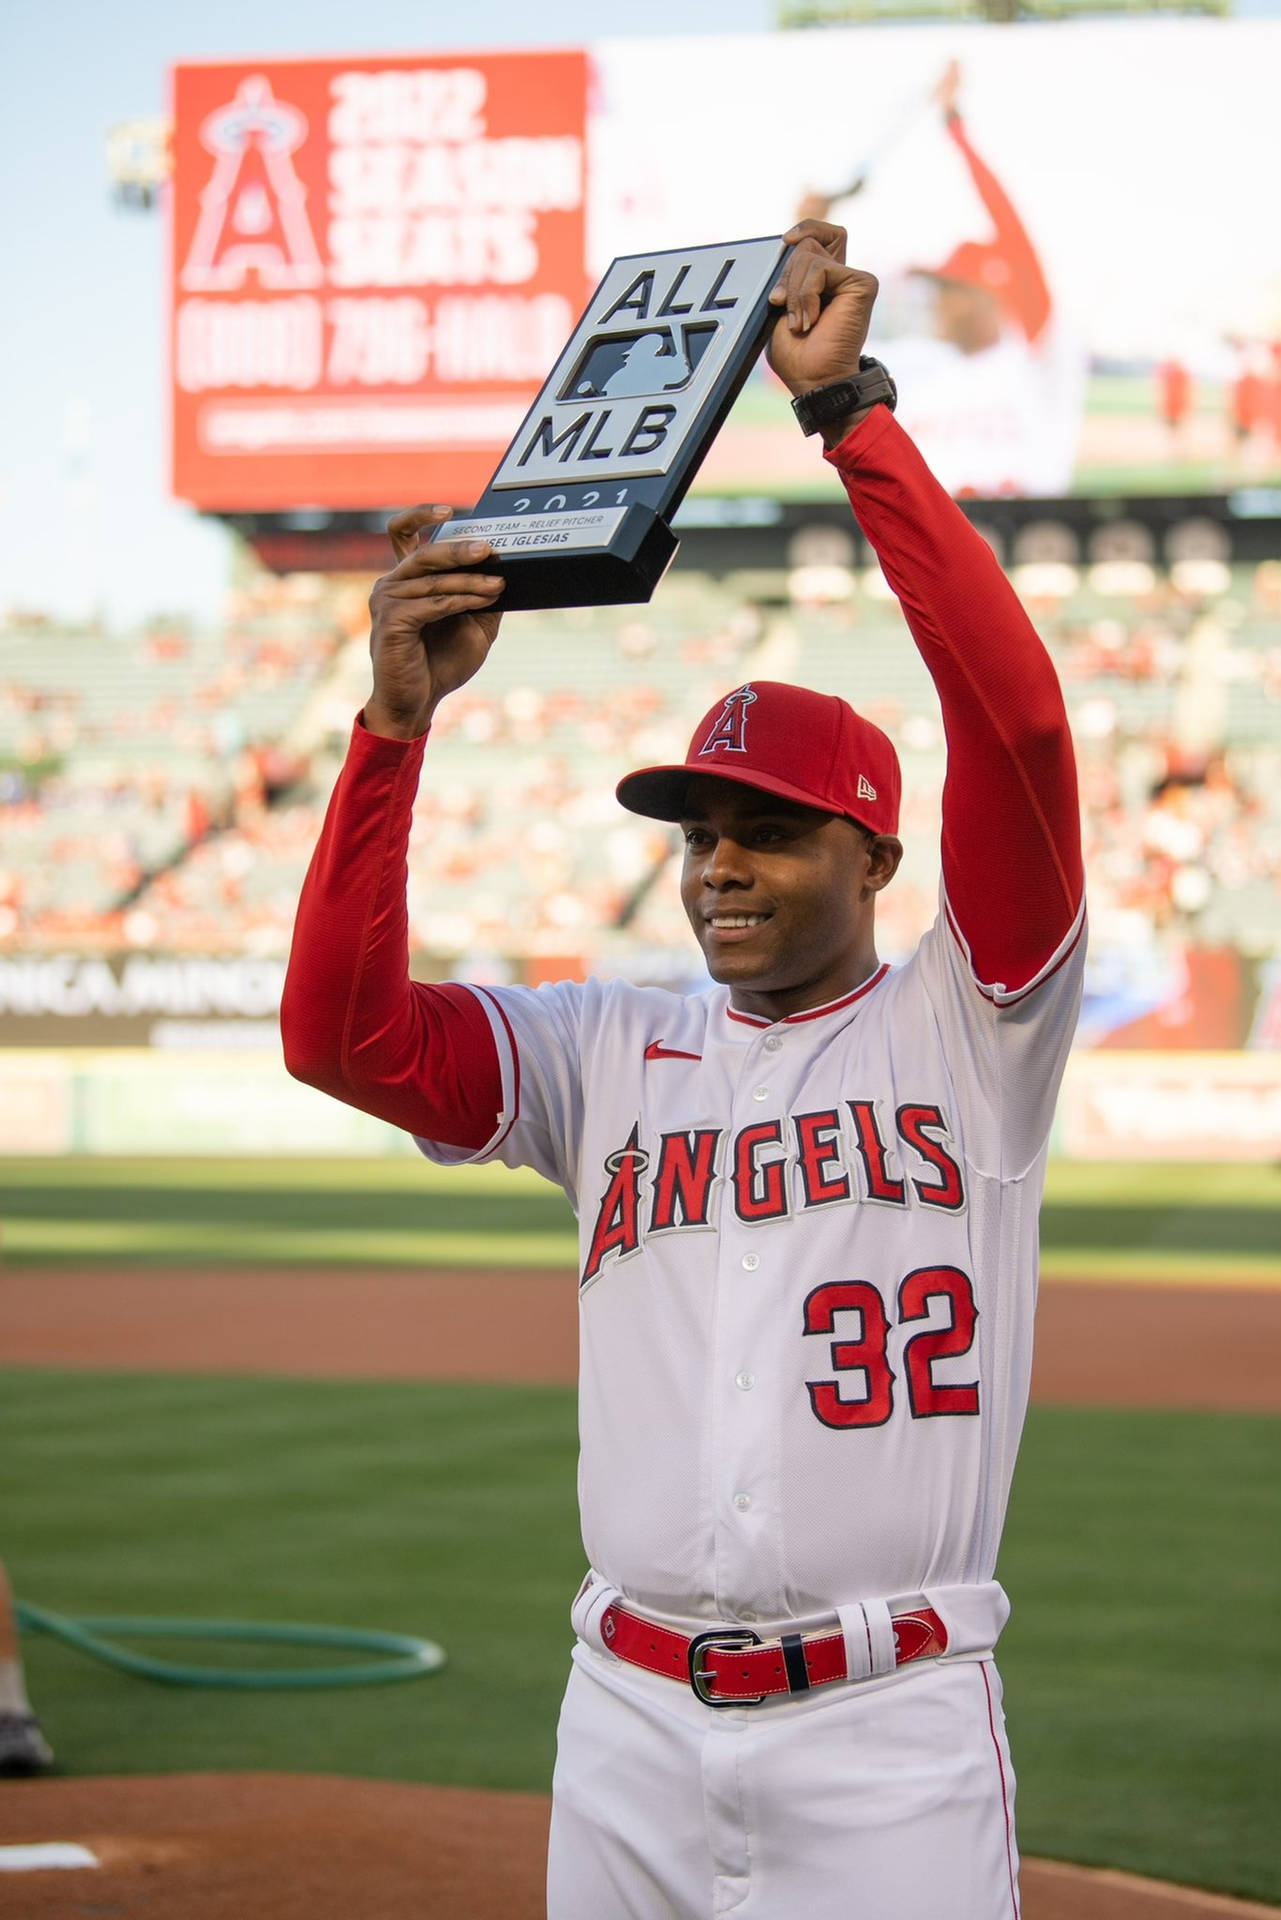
(605, 568)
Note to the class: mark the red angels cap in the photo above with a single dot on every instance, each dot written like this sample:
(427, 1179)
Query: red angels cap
(975, 265)
(804, 746)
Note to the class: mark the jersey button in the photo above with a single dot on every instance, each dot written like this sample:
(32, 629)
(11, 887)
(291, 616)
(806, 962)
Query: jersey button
(760, 1093)
(745, 1380)
(742, 1501)
(773, 1043)
(751, 1261)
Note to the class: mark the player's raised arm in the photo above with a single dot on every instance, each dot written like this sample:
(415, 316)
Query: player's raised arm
(1011, 827)
(433, 623)
(352, 1021)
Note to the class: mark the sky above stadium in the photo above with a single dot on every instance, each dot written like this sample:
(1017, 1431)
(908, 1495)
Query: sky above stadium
(85, 517)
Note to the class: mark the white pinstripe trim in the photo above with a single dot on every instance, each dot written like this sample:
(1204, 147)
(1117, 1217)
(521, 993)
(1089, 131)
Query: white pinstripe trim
(509, 1074)
(1015, 1909)
(995, 991)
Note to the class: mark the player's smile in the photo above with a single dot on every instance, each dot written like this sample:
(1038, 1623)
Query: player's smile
(779, 895)
(726, 925)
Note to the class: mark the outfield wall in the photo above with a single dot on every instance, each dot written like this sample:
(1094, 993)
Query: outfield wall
(1114, 1106)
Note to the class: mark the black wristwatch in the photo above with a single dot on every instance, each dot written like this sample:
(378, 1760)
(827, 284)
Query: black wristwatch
(871, 383)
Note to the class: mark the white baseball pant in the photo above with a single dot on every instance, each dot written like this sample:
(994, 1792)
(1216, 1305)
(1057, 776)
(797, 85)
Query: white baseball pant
(891, 1799)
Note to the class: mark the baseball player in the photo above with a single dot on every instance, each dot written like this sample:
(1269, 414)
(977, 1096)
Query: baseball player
(807, 1202)
(994, 396)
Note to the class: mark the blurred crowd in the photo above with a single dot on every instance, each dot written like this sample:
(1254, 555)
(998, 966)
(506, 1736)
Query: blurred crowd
(163, 790)
(123, 756)
(1174, 712)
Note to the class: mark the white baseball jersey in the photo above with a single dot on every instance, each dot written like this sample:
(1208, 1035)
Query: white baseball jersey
(1005, 420)
(808, 1271)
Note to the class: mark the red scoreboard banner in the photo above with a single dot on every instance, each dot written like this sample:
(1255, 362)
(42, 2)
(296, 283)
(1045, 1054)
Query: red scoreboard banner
(375, 263)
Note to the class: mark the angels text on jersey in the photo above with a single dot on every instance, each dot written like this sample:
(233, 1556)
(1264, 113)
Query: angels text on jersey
(775, 1169)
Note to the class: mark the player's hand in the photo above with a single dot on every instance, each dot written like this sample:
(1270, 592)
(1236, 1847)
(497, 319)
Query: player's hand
(948, 87)
(827, 309)
(813, 205)
(433, 623)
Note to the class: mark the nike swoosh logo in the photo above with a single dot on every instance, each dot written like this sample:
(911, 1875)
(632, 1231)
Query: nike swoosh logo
(657, 1051)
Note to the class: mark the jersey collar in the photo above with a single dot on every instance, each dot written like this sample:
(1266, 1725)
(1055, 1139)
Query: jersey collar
(812, 1013)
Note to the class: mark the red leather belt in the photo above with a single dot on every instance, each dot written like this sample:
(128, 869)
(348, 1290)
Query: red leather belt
(734, 1667)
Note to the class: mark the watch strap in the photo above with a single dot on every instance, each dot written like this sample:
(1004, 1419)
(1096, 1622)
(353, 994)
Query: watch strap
(872, 383)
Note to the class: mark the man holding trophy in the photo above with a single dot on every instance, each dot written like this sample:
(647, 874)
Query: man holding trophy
(807, 1203)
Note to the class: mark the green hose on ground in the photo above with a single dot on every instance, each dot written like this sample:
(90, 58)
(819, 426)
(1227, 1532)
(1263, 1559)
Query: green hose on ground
(407, 1657)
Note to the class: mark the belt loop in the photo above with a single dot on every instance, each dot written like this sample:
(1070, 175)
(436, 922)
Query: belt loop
(858, 1645)
(880, 1633)
(870, 1649)
(593, 1601)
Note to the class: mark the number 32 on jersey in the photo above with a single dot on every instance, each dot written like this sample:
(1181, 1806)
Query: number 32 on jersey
(830, 1310)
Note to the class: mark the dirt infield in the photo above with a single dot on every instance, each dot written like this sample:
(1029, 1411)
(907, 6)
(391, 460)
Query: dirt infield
(308, 1847)
(1098, 1344)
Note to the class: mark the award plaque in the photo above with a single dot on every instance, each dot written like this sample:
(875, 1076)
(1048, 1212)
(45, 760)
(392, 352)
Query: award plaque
(579, 510)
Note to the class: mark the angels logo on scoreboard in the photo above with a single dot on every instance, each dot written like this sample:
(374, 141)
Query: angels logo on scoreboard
(253, 209)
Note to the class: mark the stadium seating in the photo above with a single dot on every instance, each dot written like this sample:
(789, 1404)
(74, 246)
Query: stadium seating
(121, 754)
(164, 789)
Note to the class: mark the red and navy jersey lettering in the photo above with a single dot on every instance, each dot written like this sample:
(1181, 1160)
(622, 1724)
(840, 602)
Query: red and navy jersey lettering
(618, 1227)
(917, 1124)
(683, 1179)
(822, 1179)
(916, 1297)
(760, 1187)
(874, 1154)
(864, 1358)
(797, 1162)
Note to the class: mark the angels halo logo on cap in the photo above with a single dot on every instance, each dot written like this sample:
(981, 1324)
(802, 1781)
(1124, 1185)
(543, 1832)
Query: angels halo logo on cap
(809, 747)
(729, 729)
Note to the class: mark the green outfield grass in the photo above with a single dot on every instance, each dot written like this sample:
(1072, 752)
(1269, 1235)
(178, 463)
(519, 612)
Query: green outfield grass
(1142, 1556)
(1118, 1221)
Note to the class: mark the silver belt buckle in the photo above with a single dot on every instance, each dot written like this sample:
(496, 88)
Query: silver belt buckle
(723, 1640)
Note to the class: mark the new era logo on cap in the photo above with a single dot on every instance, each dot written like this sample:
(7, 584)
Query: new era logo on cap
(804, 746)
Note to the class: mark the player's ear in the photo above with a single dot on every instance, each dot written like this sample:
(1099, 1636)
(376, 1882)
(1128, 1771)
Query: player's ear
(884, 851)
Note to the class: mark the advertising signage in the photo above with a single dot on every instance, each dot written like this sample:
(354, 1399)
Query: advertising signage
(376, 261)
(373, 260)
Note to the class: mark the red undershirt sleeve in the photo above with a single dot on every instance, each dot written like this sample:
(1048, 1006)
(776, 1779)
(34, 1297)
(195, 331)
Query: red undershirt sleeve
(352, 1021)
(1012, 867)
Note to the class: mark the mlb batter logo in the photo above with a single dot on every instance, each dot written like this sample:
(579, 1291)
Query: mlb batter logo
(658, 360)
(729, 733)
